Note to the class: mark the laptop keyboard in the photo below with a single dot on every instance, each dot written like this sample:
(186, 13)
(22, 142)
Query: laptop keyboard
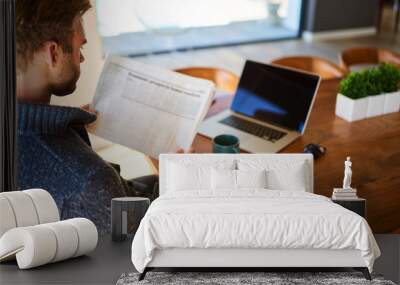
(253, 128)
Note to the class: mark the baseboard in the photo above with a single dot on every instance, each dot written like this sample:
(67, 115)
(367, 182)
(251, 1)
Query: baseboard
(338, 34)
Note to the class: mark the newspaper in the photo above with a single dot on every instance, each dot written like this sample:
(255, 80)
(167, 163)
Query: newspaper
(147, 108)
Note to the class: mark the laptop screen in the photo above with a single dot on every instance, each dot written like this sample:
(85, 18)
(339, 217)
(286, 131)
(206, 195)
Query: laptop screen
(275, 95)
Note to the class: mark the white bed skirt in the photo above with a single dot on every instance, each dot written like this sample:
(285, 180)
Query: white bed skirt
(190, 257)
(193, 257)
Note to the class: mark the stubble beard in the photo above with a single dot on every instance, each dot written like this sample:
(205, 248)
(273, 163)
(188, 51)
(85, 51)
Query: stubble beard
(66, 84)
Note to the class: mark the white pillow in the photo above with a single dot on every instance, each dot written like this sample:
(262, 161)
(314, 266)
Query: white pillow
(290, 179)
(285, 174)
(237, 179)
(183, 178)
(251, 178)
(193, 174)
(223, 179)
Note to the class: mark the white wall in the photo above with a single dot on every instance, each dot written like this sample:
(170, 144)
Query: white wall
(90, 68)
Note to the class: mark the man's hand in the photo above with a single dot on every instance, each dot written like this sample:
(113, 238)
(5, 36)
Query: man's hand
(90, 127)
(88, 109)
(190, 150)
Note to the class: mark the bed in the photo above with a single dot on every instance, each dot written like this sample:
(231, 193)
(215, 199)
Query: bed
(245, 211)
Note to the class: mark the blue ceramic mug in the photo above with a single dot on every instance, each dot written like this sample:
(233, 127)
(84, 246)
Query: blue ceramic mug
(226, 144)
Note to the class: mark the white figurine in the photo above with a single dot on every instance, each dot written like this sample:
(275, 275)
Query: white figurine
(347, 174)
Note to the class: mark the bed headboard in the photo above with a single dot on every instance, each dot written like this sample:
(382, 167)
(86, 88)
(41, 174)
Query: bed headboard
(164, 159)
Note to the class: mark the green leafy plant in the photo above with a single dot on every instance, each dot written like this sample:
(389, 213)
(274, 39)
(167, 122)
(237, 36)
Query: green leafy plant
(373, 82)
(353, 86)
(383, 79)
(389, 77)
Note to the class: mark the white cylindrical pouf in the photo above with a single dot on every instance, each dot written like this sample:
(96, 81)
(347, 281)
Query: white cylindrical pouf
(23, 208)
(7, 218)
(67, 239)
(31, 232)
(45, 205)
(34, 246)
(87, 235)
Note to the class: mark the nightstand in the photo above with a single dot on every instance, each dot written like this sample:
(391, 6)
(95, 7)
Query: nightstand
(358, 205)
(124, 210)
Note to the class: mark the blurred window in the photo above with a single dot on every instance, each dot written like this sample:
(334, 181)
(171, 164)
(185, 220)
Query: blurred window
(149, 26)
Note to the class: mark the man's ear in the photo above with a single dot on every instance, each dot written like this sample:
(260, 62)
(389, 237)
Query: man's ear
(53, 53)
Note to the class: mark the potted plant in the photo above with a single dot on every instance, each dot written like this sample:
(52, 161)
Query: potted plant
(373, 85)
(352, 101)
(390, 80)
(369, 93)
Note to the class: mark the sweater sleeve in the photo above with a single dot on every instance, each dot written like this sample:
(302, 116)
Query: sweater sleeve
(94, 202)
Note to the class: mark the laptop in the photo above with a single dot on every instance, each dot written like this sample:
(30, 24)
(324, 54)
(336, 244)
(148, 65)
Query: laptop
(270, 108)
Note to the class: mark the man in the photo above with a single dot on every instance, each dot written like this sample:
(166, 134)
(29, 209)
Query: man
(54, 151)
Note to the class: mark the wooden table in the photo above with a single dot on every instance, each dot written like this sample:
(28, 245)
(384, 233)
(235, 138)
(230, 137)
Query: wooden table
(374, 147)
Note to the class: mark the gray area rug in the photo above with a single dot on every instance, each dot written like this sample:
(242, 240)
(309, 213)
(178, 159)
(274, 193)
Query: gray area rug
(269, 278)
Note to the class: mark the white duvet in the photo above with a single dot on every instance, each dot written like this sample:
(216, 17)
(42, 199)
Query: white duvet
(250, 219)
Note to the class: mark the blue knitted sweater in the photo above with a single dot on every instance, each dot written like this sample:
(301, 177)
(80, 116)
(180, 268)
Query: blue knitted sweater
(54, 153)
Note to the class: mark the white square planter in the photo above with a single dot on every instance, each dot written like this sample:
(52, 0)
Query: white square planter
(392, 102)
(351, 110)
(375, 105)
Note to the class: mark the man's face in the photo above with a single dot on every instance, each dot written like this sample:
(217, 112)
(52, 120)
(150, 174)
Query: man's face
(67, 71)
